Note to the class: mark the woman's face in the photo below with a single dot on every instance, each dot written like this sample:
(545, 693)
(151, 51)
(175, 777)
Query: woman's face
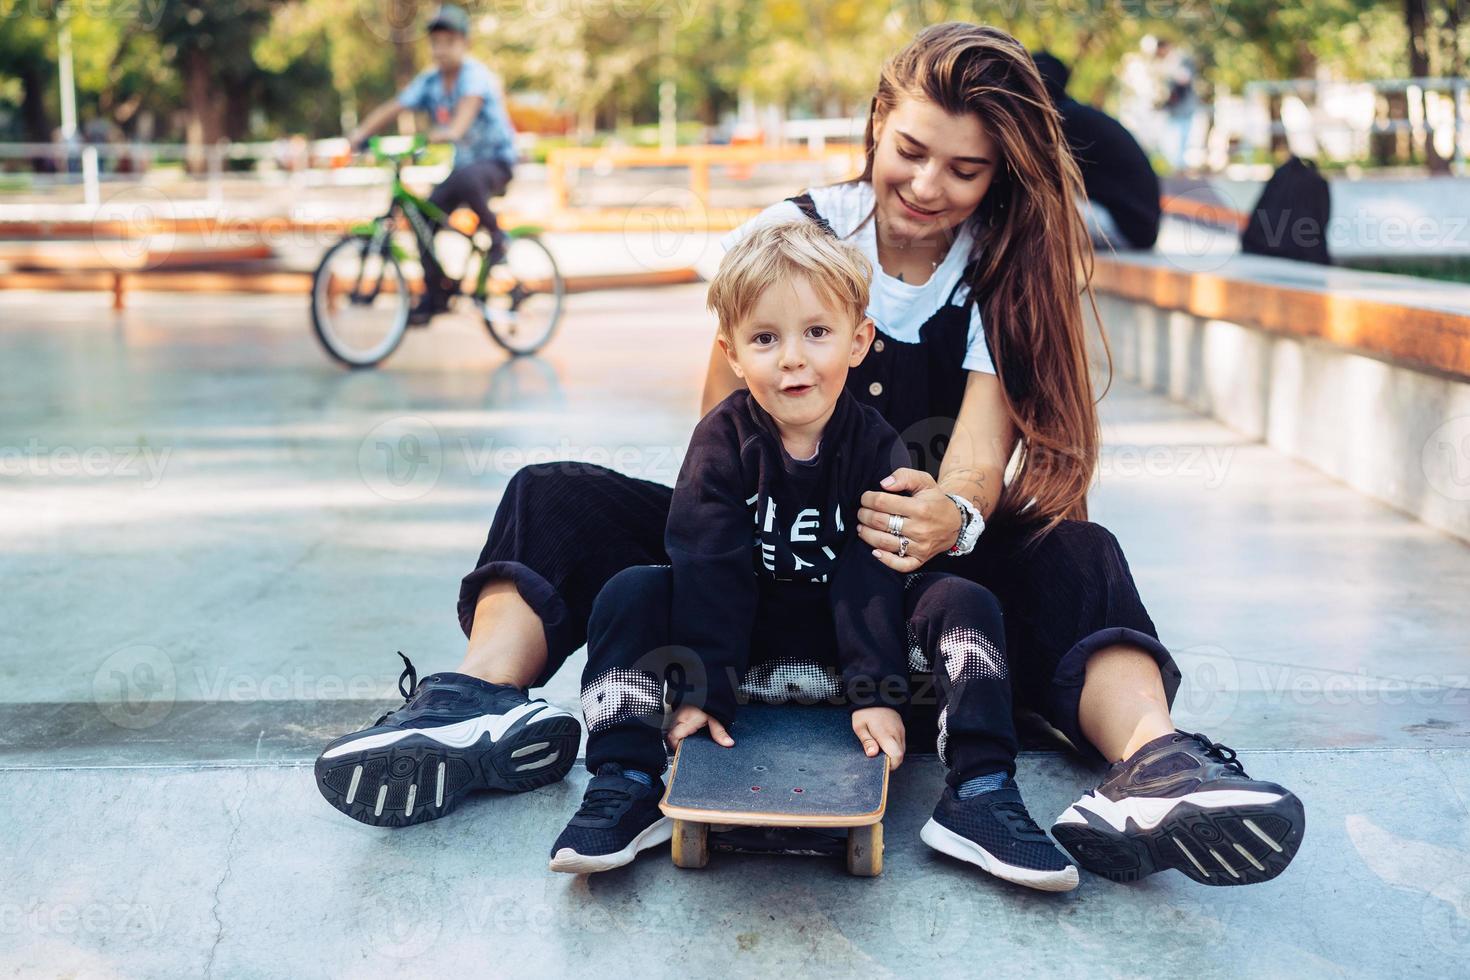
(930, 170)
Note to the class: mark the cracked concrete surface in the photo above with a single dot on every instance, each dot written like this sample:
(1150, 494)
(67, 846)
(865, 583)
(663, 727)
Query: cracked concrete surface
(176, 651)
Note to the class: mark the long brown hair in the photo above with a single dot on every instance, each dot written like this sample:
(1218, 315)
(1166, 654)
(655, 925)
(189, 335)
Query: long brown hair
(1035, 255)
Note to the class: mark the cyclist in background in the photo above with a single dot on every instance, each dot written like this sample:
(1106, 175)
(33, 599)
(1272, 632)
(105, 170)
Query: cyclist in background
(465, 104)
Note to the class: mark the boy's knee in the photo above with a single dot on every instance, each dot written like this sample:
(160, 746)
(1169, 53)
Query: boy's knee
(966, 603)
(636, 596)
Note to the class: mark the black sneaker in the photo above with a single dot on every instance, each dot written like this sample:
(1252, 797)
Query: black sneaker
(1184, 802)
(426, 309)
(454, 734)
(618, 818)
(994, 830)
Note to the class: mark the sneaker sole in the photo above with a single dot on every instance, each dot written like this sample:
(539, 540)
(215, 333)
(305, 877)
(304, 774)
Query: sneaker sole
(946, 841)
(569, 861)
(1231, 844)
(417, 778)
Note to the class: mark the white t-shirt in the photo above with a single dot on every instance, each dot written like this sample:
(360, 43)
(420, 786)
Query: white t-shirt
(898, 308)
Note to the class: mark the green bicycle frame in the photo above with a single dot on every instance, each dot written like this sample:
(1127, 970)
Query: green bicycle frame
(423, 216)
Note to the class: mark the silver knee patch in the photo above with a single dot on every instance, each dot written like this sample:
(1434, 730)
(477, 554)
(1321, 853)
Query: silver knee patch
(779, 681)
(619, 694)
(966, 654)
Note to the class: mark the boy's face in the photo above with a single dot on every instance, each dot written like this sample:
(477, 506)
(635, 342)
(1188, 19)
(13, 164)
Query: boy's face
(795, 349)
(447, 48)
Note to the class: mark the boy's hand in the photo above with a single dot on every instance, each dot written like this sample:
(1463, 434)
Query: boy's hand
(880, 729)
(687, 720)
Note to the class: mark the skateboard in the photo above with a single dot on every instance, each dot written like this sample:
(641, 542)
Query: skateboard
(792, 766)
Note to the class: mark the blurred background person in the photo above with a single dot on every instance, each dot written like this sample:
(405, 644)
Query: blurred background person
(1122, 188)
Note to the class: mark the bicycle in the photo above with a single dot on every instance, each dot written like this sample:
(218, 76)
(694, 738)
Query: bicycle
(360, 295)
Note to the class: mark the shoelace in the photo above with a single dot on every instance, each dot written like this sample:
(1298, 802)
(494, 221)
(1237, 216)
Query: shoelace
(1223, 754)
(1019, 821)
(602, 802)
(413, 686)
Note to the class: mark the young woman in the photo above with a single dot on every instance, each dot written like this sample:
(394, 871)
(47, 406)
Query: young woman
(969, 208)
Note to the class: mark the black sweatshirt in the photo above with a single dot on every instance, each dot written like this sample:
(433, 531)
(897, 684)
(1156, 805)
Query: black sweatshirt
(1115, 170)
(743, 508)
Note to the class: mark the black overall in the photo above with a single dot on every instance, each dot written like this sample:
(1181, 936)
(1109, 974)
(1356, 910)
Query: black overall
(563, 530)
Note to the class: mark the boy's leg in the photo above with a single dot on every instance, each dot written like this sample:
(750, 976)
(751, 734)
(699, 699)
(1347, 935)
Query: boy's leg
(623, 682)
(956, 632)
(623, 700)
(957, 636)
(472, 186)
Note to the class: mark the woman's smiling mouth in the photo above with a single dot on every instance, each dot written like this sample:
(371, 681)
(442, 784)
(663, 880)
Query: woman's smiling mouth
(914, 208)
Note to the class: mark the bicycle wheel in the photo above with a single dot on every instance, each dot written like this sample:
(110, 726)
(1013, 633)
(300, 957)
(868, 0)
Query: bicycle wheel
(359, 301)
(525, 297)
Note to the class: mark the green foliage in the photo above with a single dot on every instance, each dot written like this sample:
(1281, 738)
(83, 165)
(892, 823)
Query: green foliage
(276, 66)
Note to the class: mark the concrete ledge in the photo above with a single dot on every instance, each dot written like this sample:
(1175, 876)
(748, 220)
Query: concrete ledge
(1370, 391)
(1417, 322)
(120, 282)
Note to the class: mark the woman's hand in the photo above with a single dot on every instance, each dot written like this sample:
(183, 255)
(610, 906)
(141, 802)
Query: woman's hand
(931, 521)
(880, 730)
(687, 720)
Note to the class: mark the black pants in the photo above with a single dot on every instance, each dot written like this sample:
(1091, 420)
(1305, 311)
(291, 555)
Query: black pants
(471, 186)
(956, 662)
(563, 530)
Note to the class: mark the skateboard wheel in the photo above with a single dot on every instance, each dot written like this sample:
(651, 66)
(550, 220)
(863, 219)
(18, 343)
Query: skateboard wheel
(864, 850)
(690, 844)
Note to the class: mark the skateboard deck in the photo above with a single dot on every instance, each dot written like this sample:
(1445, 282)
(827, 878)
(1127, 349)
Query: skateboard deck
(791, 766)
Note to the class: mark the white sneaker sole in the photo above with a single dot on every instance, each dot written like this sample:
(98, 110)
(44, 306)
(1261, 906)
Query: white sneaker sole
(570, 862)
(946, 841)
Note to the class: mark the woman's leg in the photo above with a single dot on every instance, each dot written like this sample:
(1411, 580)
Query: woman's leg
(561, 532)
(1085, 654)
(507, 642)
(1123, 705)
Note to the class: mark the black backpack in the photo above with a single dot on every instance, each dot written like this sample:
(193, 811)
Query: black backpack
(1290, 219)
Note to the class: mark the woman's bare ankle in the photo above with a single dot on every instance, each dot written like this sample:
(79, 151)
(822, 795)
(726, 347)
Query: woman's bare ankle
(495, 672)
(507, 643)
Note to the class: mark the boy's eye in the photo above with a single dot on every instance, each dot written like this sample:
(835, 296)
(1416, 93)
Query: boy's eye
(762, 339)
(818, 331)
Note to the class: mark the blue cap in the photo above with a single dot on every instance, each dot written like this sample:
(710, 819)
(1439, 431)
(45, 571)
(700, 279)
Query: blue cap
(451, 18)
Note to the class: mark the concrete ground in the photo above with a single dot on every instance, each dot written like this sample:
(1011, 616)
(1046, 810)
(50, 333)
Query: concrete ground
(212, 542)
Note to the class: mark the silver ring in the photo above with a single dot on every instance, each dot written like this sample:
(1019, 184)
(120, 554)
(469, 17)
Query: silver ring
(895, 525)
(903, 547)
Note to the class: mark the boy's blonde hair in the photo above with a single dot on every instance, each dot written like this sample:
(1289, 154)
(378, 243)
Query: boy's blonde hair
(836, 270)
